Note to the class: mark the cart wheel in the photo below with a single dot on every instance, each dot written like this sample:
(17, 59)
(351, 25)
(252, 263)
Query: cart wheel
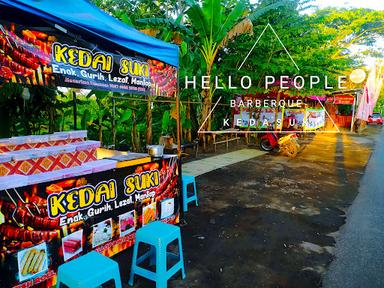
(265, 145)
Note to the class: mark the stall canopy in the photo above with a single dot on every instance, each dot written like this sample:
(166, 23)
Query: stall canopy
(73, 43)
(83, 15)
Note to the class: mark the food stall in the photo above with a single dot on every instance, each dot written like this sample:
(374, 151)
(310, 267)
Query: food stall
(61, 195)
(341, 108)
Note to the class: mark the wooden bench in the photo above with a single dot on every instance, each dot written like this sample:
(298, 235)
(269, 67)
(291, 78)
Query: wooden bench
(194, 144)
(230, 134)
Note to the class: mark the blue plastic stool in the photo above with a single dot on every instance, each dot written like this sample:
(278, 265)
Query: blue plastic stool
(88, 271)
(159, 235)
(186, 180)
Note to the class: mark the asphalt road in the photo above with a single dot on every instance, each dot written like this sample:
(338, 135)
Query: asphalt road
(271, 221)
(359, 258)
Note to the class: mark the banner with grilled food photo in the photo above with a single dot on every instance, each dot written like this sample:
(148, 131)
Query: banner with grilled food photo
(314, 119)
(46, 56)
(47, 224)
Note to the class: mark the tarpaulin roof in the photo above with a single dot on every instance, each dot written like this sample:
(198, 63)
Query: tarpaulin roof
(83, 15)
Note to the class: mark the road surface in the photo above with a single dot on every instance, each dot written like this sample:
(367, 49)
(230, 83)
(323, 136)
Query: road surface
(271, 221)
(359, 258)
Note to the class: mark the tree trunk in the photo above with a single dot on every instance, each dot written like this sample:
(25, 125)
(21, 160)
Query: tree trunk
(101, 135)
(149, 123)
(52, 117)
(100, 131)
(5, 124)
(204, 115)
(138, 142)
(134, 133)
(26, 124)
(189, 130)
(133, 141)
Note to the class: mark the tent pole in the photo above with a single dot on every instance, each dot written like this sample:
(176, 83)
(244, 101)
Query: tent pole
(181, 211)
(178, 119)
(114, 123)
(74, 110)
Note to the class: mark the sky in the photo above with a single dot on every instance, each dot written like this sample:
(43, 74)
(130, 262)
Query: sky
(372, 4)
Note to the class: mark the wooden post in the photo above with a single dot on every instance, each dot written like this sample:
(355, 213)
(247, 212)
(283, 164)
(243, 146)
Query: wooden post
(353, 113)
(277, 110)
(178, 118)
(148, 136)
(182, 220)
(135, 141)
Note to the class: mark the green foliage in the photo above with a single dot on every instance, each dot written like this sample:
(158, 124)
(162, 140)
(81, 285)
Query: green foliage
(165, 123)
(125, 117)
(24, 117)
(308, 39)
(320, 43)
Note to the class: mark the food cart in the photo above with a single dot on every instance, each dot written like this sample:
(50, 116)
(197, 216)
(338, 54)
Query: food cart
(61, 195)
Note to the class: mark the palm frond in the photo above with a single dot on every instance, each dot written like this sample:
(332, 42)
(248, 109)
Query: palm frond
(230, 21)
(213, 15)
(155, 22)
(243, 27)
(262, 10)
(197, 18)
(209, 51)
(150, 31)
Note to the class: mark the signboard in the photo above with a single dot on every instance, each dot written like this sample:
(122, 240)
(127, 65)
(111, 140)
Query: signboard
(293, 118)
(344, 99)
(46, 225)
(341, 99)
(48, 57)
(314, 119)
(330, 100)
(262, 118)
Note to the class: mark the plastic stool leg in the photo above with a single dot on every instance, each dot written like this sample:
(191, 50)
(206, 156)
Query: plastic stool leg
(133, 266)
(194, 187)
(181, 258)
(161, 266)
(152, 256)
(185, 197)
(58, 282)
(117, 279)
(117, 282)
(161, 283)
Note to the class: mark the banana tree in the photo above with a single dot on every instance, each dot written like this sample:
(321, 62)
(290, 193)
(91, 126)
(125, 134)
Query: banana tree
(215, 25)
(212, 26)
(102, 112)
(19, 116)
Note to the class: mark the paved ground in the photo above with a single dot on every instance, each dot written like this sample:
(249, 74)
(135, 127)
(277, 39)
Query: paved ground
(271, 221)
(203, 166)
(360, 248)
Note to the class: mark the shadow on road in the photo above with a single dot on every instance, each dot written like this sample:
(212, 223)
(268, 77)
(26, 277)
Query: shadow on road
(271, 221)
